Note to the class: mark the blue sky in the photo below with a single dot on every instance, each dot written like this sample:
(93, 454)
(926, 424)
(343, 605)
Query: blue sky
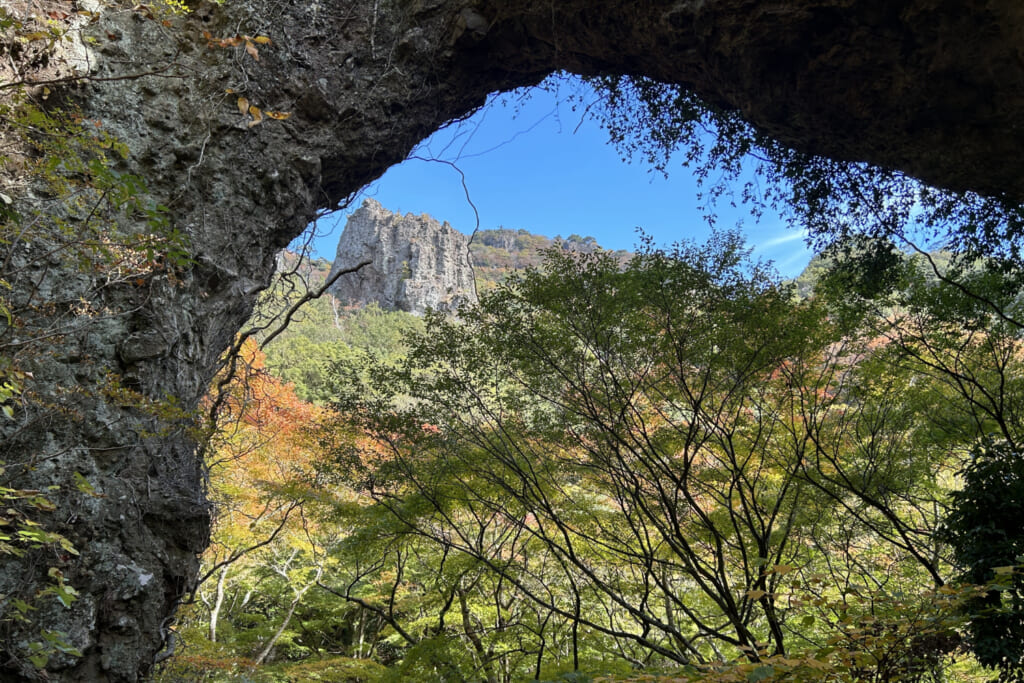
(534, 163)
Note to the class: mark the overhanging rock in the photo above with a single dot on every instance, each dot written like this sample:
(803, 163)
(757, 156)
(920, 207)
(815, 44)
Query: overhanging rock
(933, 88)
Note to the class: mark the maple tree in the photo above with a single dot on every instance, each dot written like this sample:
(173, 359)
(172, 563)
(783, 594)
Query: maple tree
(672, 466)
(654, 454)
(261, 462)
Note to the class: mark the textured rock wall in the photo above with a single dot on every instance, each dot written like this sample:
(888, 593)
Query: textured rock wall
(935, 87)
(416, 263)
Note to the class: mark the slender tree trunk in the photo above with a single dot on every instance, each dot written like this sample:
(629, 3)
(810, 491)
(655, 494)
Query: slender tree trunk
(540, 650)
(334, 311)
(287, 618)
(362, 633)
(472, 632)
(576, 633)
(218, 602)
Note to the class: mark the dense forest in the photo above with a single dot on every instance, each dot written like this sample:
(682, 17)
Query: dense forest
(669, 465)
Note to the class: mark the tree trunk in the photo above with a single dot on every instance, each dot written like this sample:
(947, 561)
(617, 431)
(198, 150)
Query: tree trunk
(472, 633)
(287, 618)
(218, 602)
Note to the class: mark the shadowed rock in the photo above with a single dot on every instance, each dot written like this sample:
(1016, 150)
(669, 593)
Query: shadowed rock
(933, 88)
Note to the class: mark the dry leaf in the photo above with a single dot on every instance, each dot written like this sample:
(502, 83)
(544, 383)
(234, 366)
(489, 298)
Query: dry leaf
(279, 115)
(243, 106)
(257, 116)
(251, 49)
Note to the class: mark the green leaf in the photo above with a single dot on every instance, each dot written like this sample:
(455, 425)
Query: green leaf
(83, 485)
(65, 594)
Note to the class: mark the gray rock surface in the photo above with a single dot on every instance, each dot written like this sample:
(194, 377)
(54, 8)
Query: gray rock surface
(417, 262)
(933, 88)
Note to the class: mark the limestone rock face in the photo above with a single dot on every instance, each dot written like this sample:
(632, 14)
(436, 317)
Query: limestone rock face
(933, 88)
(416, 264)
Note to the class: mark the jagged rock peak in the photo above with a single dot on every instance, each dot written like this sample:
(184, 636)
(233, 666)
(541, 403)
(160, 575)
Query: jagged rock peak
(416, 262)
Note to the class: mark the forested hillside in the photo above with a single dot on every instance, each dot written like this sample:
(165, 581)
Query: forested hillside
(323, 331)
(497, 253)
(663, 466)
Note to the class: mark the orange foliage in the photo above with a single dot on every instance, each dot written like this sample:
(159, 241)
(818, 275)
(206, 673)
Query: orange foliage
(262, 457)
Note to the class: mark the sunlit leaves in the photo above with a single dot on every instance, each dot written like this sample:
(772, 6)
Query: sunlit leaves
(635, 414)
(704, 458)
(985, 531)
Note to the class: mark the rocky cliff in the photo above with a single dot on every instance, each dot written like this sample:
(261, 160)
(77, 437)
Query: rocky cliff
(416, 263)
(932, 88)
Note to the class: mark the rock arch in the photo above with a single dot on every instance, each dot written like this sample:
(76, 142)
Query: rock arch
(933, 87)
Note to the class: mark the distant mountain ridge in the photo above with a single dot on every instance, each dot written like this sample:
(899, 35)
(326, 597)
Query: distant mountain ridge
(496, 253)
